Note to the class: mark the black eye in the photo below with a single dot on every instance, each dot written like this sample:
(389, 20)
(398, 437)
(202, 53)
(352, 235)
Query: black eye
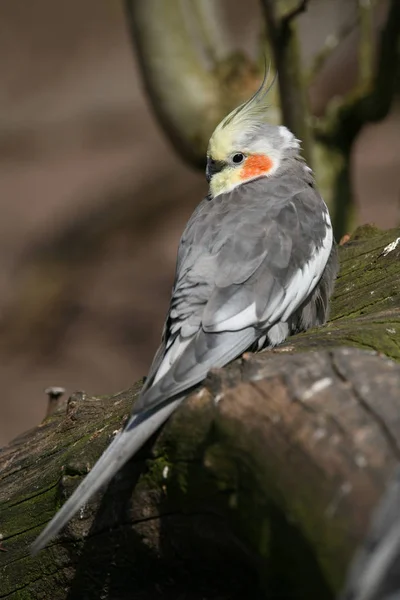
(238, 158)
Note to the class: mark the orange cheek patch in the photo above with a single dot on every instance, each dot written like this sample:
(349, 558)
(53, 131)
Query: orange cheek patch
(258, 164)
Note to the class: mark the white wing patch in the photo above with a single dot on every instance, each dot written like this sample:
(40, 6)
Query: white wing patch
(246, 318)
(307, 278)
(302, 284)
(172, 354)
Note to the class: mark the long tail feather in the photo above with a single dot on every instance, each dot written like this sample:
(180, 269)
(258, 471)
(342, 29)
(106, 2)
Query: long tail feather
(126, 444)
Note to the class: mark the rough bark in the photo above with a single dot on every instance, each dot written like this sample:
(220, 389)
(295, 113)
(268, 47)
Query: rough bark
(260, 486)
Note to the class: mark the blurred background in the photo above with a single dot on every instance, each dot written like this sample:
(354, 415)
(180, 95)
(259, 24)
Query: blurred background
(98, 176)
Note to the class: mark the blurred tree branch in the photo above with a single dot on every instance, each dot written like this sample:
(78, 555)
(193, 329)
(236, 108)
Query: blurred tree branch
(366, 49)
(188, 99)
(370, 101)
(331, 43)
(282, 34)
(372, 98)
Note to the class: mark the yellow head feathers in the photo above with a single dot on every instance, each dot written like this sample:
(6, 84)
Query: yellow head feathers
(243, 119)
(245, 146)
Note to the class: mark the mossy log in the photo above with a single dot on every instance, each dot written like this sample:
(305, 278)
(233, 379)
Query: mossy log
(260, 486)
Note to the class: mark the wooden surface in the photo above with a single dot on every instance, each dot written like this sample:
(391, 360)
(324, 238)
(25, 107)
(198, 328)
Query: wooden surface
(261, 485)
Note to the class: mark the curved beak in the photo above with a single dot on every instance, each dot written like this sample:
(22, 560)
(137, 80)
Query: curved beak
(213, 166)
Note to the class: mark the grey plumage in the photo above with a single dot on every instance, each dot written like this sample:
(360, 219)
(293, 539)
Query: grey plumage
(240, 249)
(253, 266)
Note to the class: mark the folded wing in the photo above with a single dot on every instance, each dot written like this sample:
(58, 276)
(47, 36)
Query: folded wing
(224, 301)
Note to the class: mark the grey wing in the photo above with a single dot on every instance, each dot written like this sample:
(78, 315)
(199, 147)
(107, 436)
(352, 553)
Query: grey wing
(260, 274)
(185, 277)
(296, 248)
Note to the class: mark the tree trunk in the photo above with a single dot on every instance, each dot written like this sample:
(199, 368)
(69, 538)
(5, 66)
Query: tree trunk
(260, 486)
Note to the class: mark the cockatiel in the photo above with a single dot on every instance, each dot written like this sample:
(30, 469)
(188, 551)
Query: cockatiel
(256, 263)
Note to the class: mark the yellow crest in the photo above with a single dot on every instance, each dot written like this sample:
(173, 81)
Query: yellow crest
(242, 119)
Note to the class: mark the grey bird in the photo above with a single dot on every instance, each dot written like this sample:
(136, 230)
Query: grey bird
(257, 262)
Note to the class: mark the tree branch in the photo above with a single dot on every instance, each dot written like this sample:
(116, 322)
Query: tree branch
(369, 102)
(372, 100)
(261, 485)
(332, 42)
(283, 38)
(294, 12)
(188, 100)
